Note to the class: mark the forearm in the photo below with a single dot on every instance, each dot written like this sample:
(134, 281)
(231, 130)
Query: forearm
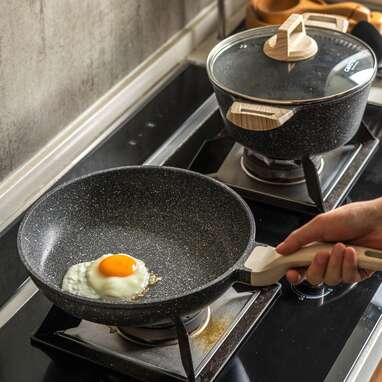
(371, 211)
(377, 207)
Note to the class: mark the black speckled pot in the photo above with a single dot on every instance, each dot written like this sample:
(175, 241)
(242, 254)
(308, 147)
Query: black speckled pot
(314, 129)
(327, 92)
(191, 230)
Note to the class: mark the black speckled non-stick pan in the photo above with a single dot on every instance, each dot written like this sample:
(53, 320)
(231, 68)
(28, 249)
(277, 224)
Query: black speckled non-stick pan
(189, 229)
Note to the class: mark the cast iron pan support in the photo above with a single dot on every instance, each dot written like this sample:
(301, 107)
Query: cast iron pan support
(185, 349)
(364, 134)
(313, 183)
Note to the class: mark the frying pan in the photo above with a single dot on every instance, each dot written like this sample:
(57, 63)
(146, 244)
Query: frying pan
(189, 229)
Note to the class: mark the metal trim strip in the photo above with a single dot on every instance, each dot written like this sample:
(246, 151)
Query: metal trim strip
(355, 352)
(192, 124)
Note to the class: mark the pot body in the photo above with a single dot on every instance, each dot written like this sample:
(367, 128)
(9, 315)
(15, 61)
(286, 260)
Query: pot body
(315, 128)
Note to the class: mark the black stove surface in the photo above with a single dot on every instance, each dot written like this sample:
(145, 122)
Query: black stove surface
(131, 144)
(296, 341)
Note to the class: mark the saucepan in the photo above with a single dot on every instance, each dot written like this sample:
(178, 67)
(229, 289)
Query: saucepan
(293, 90)
(194, 232)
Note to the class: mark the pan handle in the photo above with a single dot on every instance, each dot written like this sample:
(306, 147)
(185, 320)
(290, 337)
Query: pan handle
(255, 117)
(335, 22)
(268, 267)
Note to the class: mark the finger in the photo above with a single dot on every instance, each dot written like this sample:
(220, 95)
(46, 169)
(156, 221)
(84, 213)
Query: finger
(350, 272)
(316, 271)
(312, 231)
(333, 274)
(296, 276)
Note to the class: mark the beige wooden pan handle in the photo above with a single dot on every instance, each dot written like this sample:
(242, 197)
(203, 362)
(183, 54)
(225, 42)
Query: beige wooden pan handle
(322, 20)
(291, 43)
(368, 258)
(270, 267)
(256, 117)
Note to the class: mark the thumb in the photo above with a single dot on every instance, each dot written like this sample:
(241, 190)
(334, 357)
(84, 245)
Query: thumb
(312, 231)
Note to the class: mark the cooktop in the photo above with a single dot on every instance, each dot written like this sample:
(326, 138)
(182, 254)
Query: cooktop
(296, 340)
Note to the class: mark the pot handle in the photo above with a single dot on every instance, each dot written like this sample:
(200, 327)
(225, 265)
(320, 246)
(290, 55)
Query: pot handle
(265, 266)
(335, 22)
(291, 43)
(256, 117)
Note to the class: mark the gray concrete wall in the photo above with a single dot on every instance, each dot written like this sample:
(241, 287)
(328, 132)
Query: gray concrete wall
(58, 56)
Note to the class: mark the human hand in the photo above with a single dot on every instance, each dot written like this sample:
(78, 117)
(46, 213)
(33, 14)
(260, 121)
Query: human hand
(359, 223)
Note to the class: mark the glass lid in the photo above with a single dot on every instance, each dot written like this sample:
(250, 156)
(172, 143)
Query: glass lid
(339, 64)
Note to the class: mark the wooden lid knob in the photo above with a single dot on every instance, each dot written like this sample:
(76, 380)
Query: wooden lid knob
(291, 43)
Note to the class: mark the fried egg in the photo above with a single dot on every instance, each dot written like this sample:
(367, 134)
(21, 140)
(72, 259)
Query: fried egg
(112, 275)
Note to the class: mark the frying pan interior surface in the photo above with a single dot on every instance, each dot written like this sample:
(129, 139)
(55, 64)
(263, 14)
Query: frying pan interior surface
(189, 229)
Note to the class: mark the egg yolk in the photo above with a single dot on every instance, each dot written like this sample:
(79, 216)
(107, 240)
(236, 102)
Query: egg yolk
(117, 265)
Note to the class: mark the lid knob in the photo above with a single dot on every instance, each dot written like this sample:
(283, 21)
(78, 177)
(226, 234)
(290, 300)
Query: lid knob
(291, 43)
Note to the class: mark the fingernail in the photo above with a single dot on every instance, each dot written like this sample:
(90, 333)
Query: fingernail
(339, 249)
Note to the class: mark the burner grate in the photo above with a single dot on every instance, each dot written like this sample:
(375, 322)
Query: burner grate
(233, 315)
(325, 187)
(166, 334)
(275, 171)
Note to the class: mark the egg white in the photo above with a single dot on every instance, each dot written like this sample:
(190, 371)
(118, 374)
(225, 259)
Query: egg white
(75, 281)
(86, 280)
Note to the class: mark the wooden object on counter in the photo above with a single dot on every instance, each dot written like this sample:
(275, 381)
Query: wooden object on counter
(277, 12)
(252, 19)
(291, 43)
(376, 20)
(255, 117)
(377, 375)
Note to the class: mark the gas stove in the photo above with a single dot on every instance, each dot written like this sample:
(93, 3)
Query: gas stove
(152, 353)
(313, 185)
(249, 334)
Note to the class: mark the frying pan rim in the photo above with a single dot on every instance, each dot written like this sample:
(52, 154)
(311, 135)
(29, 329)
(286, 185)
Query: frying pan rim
(127, 304)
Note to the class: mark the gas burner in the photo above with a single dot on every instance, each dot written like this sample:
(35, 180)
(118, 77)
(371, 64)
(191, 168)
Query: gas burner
(321, 292)
(315, 184)
(276, 171)
(210, 338)
(165, 333)
(308, 291)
